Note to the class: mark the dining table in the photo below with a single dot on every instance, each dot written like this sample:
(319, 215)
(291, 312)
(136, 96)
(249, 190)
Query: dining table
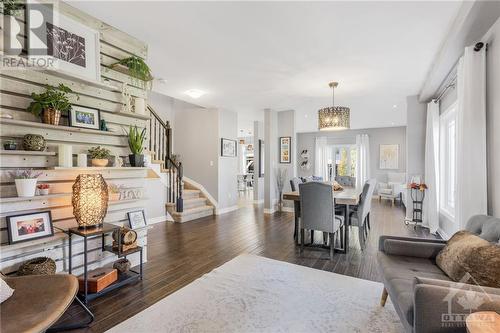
(347, 196)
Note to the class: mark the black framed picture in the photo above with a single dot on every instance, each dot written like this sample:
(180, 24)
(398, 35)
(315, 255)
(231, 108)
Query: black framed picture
(228, 148)
(285, 145)
(27, 227)
(136, 219)
(261, 158)
(83, 117)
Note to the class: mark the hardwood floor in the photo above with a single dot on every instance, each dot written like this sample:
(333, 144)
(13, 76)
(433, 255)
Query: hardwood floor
(181, 253)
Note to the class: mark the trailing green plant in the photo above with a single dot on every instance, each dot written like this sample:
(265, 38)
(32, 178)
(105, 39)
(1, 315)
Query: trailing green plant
(52, 97)
(11, 7)
(138, 69)
(136, 139)
(99, 153)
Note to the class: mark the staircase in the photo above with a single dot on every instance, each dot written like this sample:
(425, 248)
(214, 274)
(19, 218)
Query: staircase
(185, 202)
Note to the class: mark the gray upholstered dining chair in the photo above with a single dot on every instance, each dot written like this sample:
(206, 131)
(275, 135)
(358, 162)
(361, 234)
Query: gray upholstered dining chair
(318, 213)
(346, 180)
(294, 183)
(360, 217)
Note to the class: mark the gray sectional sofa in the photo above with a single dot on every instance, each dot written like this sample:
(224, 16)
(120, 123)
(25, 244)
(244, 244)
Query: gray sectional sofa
(423, 296)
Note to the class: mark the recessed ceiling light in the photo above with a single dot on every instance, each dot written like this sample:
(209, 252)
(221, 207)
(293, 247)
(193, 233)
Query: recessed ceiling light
(305, 116)
(394, 106)
(195, 93)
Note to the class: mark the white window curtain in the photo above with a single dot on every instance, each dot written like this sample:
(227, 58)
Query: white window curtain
(323, 153)
(363, 163)
(430, 209)
(471, 195)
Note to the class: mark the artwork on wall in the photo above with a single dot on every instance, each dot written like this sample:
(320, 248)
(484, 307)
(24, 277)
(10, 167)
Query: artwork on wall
(261, 158)
(136, 219)
(228, 147)
(389, 156)
(26, 227)
(83, 117)
(285, 145)
(304, 163)
(72, 47)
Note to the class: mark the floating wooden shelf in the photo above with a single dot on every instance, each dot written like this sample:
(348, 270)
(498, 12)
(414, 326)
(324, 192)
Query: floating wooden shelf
(12, 247)
(5, 121)
(100, 168)
(26, 152)
(36, 197)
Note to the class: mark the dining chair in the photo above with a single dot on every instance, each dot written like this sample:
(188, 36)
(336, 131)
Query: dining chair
(318, 213)
(360, 217)
(294, 183)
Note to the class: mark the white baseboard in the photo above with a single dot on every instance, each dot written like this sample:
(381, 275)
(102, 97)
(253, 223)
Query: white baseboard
(220, 211)
(269, 210)
(443, 234)
(158, 219)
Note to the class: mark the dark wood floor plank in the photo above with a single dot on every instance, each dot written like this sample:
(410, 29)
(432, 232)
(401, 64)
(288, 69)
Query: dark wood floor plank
(180, 253)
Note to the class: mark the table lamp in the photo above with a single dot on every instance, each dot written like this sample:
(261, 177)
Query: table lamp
(90, 200)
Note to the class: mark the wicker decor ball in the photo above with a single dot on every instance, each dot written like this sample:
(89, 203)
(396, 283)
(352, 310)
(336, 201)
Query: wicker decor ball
(34, 142)
(37, 266)
(122, 265)
(90, 200)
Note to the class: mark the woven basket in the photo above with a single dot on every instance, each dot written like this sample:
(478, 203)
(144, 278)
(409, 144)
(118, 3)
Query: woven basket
(51, 116)
(38, 266)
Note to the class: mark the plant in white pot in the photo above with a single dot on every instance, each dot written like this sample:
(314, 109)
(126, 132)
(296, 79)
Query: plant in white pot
(99, 157)
(25, 182)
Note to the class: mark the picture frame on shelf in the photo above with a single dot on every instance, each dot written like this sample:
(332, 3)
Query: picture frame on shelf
(228, 147)
(137, 219)
(285, 145)
(83, 117)
(28, 227)
(70, 48)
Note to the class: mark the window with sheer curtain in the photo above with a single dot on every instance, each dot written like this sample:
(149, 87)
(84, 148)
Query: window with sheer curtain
(344, 161)
(447, 157)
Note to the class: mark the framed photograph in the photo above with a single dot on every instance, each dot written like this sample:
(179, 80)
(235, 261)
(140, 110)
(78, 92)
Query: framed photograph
(389, 156)
(70, 47)
(27, 227)
(137, 219)
(228, 148)
(285, 145)
(83, 117)
(261, 158)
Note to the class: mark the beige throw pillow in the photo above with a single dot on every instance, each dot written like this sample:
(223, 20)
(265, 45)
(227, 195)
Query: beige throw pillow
(5, 291)
(467, 253)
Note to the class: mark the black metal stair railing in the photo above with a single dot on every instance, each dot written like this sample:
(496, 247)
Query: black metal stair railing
(160, 144)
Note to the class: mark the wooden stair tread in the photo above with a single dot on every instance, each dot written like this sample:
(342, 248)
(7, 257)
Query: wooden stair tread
(193, 210)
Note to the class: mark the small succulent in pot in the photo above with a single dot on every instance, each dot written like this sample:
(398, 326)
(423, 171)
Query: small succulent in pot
(25, 182)
(10, 145)
(51, 103)
(99, 157)
(135, 141)
(43, 189)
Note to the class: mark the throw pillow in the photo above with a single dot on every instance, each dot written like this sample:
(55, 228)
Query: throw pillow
(467, 253)
(5, 291)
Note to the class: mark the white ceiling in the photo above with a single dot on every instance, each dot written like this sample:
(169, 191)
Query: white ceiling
(281, 55)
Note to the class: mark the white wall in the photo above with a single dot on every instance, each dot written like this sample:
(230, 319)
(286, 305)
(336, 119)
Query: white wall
(287, 127)
(228, 166)
(378, 136)
(271, 159)
(258, 187)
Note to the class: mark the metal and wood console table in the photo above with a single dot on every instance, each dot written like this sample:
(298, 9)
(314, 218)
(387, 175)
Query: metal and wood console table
(123, 278)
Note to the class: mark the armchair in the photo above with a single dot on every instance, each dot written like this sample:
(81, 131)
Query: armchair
(394, 188)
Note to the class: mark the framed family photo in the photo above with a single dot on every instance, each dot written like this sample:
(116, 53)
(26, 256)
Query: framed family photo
(136, 219)
(285, 144)
(228, 147)
(83, 117)
(27, 227)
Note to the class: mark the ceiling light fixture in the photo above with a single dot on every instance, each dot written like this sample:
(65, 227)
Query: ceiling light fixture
(195, 93)
(334, 117)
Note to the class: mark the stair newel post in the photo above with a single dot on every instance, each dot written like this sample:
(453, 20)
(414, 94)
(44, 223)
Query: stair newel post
(180, 204)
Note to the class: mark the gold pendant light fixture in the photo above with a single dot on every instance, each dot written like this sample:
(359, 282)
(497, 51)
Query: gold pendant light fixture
(335, 117)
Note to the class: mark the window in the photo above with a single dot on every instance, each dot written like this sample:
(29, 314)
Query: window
(344, 162)
(447, 161)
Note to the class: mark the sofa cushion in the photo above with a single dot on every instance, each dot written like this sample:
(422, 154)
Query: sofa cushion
(5, 291)
(399, 272)
(466, 253)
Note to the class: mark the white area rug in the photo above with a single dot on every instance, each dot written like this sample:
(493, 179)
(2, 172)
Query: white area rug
(256, 294)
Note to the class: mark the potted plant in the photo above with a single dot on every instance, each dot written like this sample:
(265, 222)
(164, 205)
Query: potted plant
(11, 7)
(43, 189)
(10, 145)
(51, 103)
(114, 192)
(25, 182)
(99, 157)
(138, 69)
(281, 176)
(135, 142)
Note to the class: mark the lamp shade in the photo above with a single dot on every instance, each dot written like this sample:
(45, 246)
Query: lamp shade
(334, 118)
(90, 200)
